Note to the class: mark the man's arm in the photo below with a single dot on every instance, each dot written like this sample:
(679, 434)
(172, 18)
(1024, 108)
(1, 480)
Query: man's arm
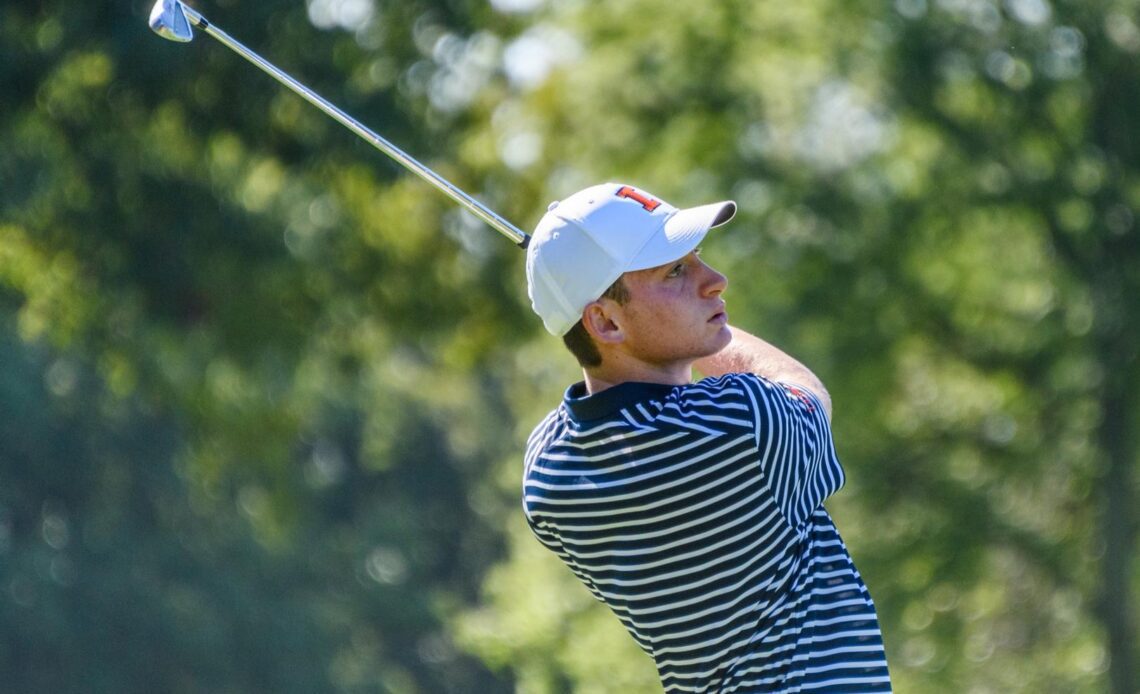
(750, 354)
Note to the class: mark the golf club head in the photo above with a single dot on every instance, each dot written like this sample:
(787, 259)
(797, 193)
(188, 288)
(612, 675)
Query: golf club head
(168, 20)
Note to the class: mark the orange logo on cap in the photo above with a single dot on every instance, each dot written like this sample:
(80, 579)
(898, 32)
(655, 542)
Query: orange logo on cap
(647, 202)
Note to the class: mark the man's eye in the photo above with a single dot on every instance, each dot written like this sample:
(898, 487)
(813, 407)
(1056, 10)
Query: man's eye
(676, 270)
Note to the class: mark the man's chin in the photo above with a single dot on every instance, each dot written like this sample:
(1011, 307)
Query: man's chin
(721, 340)
(725, 333)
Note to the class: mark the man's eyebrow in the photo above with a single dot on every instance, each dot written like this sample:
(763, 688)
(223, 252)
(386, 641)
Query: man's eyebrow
(669, 265)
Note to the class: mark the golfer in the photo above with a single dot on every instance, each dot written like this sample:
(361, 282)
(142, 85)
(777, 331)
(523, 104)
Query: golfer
(694, 510)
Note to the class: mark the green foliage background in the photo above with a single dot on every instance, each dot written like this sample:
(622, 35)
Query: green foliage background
(263, 395)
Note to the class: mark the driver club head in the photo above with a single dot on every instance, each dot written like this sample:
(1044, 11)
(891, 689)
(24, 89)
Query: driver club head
(168, 20)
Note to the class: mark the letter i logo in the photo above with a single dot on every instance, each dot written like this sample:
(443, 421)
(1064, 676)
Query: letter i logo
(647, 202)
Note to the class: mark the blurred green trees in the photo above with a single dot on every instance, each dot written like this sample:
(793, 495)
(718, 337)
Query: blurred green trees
(264, 395)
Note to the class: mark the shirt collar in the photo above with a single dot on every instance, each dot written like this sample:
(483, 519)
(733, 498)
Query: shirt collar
(583, 406)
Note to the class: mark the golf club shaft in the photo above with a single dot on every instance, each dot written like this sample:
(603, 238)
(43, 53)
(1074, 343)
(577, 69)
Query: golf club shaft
(466, 201)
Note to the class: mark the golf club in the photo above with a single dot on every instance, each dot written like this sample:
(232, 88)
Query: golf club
(172, 20)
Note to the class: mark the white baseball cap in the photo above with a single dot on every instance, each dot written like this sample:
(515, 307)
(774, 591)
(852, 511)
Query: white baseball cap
(585, 242)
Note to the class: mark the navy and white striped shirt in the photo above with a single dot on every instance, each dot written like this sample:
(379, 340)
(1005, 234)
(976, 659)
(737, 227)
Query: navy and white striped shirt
(695, 513)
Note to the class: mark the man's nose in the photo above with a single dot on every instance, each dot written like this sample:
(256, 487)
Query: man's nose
(716, 282)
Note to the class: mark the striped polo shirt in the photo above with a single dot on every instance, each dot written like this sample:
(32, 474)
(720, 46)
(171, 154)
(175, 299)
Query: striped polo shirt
(696, 514)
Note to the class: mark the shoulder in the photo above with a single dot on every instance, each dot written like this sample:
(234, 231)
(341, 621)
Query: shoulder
(730, 389)
(554, 420)
(721, 403)
(769, 404)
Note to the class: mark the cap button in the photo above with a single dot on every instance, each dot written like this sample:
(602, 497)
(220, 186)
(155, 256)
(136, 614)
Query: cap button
(551, 206)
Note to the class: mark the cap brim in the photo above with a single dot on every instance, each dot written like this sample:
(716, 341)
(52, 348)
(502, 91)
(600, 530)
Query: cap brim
(681, 233)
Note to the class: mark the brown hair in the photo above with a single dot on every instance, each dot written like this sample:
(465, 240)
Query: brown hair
(578, 340)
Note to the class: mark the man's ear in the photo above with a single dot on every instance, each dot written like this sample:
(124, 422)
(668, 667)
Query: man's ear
(599, 320)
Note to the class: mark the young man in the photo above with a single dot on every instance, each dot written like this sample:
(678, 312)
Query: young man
(693, 510)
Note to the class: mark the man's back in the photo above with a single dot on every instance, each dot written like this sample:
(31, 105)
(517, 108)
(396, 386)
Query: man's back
(695, 512)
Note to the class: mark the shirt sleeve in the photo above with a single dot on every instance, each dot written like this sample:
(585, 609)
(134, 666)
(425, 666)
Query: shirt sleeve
(552, 542)
(794, 444)
(547, 535)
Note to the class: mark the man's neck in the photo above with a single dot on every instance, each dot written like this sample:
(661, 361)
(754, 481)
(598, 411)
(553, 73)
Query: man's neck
(603, 377)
